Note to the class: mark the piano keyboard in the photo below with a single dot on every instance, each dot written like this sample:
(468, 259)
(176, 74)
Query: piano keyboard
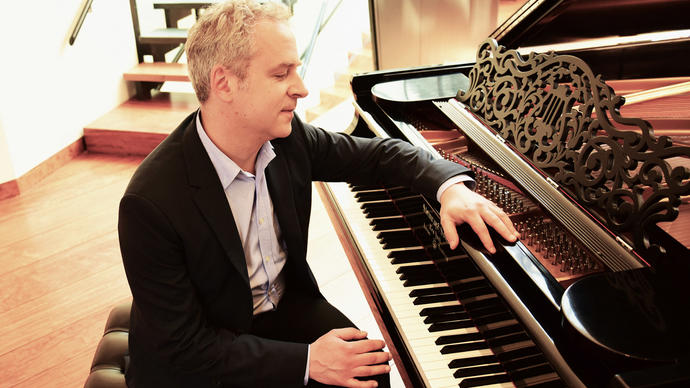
(476, 343)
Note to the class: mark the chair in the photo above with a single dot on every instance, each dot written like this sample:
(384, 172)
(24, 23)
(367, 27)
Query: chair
(111, 357)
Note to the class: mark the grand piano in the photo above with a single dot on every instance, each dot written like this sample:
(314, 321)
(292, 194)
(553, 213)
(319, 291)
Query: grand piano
(575, 120)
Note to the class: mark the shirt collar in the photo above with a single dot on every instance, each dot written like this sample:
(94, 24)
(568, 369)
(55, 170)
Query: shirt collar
(226, 168)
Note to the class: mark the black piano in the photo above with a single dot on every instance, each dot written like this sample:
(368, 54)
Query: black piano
(575, 120)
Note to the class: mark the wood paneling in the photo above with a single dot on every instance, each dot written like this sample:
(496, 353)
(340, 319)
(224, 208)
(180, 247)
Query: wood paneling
(36, 174)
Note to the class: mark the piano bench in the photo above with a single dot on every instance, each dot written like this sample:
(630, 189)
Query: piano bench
(112, 354)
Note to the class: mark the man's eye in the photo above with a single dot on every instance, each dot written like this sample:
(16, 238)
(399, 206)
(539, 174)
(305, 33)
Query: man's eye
(281, 75)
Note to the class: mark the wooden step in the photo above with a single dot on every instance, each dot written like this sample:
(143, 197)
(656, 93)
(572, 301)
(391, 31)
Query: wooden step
(164, 36)
(158, 72)
(137, 126)
(182, 4)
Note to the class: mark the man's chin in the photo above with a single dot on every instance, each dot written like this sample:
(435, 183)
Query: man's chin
(283, 131)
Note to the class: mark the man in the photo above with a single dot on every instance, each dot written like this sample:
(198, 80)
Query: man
(213, 225)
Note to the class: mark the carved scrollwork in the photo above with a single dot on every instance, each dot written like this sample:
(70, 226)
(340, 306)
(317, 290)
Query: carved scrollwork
(566, 121)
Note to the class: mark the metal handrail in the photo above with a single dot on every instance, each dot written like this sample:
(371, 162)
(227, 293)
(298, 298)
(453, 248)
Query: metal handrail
(82, 15)
(320, 24)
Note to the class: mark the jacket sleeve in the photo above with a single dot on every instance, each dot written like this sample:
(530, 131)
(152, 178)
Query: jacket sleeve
(340, 157)
(167, 306)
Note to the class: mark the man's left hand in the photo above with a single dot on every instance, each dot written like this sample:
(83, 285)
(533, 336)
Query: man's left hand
(460, 204)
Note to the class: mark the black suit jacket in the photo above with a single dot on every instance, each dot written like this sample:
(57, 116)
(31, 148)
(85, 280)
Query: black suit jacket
(192, 304)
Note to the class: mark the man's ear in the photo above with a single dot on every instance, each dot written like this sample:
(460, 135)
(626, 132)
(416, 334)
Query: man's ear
(223, 83)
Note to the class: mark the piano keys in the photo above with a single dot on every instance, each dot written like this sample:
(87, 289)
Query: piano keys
(457, 331)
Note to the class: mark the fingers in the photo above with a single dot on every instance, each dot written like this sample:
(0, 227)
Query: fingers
(368, 345)
(354, 383)
(459, 204)
(372, 358)
(371, 370)
(503, 225)
(477, 224)
(450, 232)
(349, 333)
(341, 354)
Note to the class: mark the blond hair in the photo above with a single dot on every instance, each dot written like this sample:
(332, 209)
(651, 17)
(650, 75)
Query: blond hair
(223, 35)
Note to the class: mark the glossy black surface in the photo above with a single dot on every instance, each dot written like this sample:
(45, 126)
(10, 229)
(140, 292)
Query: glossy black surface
(550, 22)
(563, 21)
(646, 315)
(421, 89)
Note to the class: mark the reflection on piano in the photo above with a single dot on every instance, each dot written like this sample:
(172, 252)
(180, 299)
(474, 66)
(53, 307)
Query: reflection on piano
(596, 291)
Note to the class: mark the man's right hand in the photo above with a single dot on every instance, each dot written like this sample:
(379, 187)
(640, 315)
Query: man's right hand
(340, 355)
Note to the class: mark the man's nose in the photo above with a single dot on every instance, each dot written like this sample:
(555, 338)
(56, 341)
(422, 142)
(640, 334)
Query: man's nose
(298, 90)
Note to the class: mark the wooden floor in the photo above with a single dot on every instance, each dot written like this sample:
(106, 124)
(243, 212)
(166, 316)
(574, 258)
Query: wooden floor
(60, 271)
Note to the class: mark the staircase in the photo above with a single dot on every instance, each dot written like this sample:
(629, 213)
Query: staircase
(137, 126)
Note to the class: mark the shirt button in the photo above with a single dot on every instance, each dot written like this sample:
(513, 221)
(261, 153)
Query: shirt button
(267, 258)
(261, 221)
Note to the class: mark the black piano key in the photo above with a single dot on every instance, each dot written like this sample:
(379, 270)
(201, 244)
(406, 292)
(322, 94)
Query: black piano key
(409, 259)
(441, 310)
(443, 326)
(501, 331)
(401, 244)
(470, 361)
(376, 195)
(474, 292)
(408, 256)
(422, 300)
(379, 224)
(401, 192)
(465, 284)
(484, 380)
(419, 273)
(508, 339)
(410, 205)
(525, 362)
(446, 317)
(478, 370)
(395, 235)
(518, 353)
(556, 383)
(459, 338)
(487, 310)
(464, 347)
(404, 269)
(358, 188)
(493, 318)
(416, 220)
(531, 372)
(430, 291)
(422, 281)
(381, 211)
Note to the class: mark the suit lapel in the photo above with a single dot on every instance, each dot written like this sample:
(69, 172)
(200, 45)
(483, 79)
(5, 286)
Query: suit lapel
(210, 199)
(280, 188)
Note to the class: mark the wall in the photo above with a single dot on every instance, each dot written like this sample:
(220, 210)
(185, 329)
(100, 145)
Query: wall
(6, 170)
(341, 36)
(51, 90)
(414, 33)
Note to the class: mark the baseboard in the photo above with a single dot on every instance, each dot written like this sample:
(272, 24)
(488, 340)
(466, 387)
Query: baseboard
(32, 177)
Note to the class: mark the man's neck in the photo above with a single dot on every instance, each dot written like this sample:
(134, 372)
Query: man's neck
(235, 142)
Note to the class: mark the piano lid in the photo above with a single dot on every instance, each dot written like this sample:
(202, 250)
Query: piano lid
(619, 39)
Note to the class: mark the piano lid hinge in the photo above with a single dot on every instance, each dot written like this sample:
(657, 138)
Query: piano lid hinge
(552, 182)
(624, 244)
(499, 138)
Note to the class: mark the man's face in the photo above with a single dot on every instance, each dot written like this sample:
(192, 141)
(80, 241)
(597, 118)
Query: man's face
(267, 97)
